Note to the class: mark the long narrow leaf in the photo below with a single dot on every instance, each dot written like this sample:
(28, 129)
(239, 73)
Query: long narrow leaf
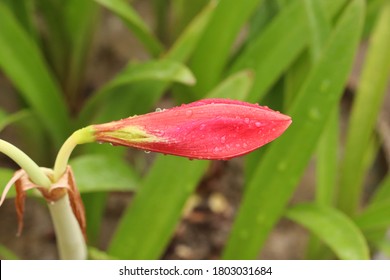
(236, 86)
(103, 173)
(276, 177)
(375, 217)
(216, 43)
(160, 70)
(135, 23)
(334, 228)
(23, 63)
(147, 225)
(371, 90)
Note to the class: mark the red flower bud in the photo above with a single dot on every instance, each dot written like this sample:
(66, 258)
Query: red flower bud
(206, 129)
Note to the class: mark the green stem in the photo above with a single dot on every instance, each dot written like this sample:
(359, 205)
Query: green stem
(70, 239)
(26, 163)
(81, 136)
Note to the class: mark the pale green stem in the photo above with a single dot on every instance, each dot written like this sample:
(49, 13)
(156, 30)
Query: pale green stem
(70, 240)
(81, 136)
(26, 163)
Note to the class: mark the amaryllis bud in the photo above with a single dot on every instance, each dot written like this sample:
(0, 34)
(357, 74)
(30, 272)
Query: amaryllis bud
(206, 129)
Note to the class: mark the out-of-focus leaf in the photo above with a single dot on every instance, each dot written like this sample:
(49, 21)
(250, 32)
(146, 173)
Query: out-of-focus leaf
(368, 102)
(6, 254)
(96, 254)
(6, 175)
(375, 217)
(277, 175)
(383, 191)
(23, 63)
(216, 43)
(23, 11)
(80, 19)
(161, 70)
(7, 119)
(130, 17)
(188, 40)
(144, 94)
(270, 53)
(236, 86)
(183, 12)
(103, 173)
(147, 225)
(334, 228)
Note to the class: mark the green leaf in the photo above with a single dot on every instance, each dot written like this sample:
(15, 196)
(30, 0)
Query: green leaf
(188, 40)
(96, 254)
(23, 11)
(369, 99)
(23, 63)
(375, 216)
(6, 254)
(216, 43)
(7, 119)
(236, 86)
(334, 228)
(146, 93)
(383, 190)
(134, 22)
(6, 175)
(280, 170)
(160, 70)
(80, 19)
(103, 173)
(279, 44)
(147, 225)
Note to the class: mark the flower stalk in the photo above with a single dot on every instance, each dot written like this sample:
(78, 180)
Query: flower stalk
(26, 163)
(81, 136)
(70, 239)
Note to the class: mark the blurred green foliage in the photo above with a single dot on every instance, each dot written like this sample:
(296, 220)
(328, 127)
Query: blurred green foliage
(295, 56)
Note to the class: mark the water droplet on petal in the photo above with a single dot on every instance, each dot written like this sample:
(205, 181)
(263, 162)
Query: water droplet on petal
(216, 150)
(159, 133)
(147, 152)
(246, 120)
(158, 109)
(223, 139)
(238, 145)
(245, 145)
(188, 113)
(258, 124)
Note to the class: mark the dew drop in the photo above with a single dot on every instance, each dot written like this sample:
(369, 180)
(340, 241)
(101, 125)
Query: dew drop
(244, 145)
(246, 120)
(216, 150)
(258, 124)
(238, 145)
(100, 142)
(159, 110)
(223, 139)
(147, 152)
(189, 113)
(159, 133)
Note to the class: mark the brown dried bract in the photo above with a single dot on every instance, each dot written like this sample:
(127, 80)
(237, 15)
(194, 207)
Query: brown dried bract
(66, 184)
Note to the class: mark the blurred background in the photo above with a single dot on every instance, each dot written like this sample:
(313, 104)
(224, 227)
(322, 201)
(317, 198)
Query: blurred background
(321, 191)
